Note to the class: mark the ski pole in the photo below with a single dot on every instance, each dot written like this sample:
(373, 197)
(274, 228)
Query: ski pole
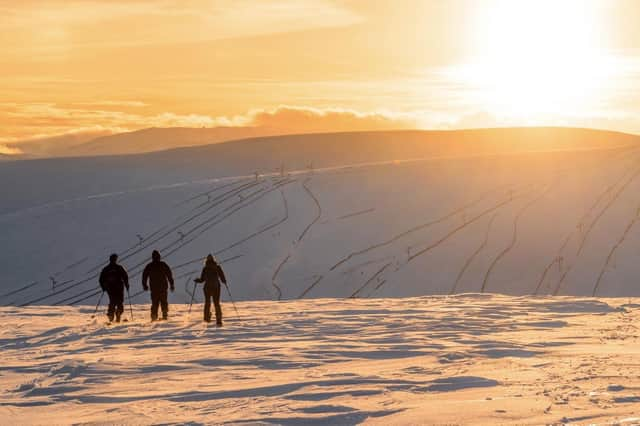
(130, 307)
(232, 302)
(97, 305)
(193, 295)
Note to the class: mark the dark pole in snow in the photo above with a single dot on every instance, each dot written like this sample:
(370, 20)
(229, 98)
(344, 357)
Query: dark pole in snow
(232, 302)
(130, 307)
(193, 294)
(98, 305)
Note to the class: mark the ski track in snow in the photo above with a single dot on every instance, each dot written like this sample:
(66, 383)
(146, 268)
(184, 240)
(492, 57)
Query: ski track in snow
(236, 194)
(615, 247)
(465, 359)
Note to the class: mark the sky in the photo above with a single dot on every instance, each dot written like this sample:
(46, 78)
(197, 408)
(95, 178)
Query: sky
(88, 67)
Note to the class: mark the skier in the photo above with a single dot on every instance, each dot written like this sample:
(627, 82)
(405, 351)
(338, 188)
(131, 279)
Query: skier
(211, 276)
(113, 280)
(159, 275)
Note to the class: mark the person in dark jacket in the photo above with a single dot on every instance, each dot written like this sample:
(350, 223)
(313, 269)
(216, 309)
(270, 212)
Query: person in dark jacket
(211, 276)
(113, 280)
(160, 278)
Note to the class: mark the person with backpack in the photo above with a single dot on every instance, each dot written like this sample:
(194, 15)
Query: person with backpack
(211, 276)
(159, 276)
(114, 279)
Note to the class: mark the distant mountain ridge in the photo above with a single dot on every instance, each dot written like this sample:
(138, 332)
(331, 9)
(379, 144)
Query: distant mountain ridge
(160, 139)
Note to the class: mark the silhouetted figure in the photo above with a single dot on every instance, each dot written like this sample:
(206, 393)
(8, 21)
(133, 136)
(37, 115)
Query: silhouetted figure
(113, 280)
(211, 276)
(160, 278)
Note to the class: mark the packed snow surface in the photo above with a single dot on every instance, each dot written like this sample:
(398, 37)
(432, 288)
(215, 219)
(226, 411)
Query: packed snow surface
(468, 359)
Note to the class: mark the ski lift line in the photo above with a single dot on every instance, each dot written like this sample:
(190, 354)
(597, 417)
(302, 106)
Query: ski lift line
(222, 179)
(412, 230)
(222, 262)
(182, 220)
(223, 197)
(514, 237)
(244, 204)
(264, 229)
(60, 291)
(201, 259)
(94, 294)
(236, 178)
(476, 252)
(373, 277)
(306, 171)
(212, 220)
(615, 247)
(205, 193)
(186, 274)
(19, 289)
(237, 190)
(139, 247)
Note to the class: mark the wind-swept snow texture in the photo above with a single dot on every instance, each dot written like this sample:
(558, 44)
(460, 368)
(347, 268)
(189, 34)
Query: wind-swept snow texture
(464, 359)
(389, 214)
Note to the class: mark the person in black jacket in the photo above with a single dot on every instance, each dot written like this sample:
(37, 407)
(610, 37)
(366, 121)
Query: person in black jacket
(159, 276)
(113, 280)
(211, 276)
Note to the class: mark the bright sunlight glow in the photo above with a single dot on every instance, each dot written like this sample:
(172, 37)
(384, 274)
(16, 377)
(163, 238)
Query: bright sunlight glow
(536, 58)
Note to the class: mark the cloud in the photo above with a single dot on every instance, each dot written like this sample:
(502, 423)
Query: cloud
(29, 122)
(132, 104)
(7, 150)
(306, 119)
(59, 25)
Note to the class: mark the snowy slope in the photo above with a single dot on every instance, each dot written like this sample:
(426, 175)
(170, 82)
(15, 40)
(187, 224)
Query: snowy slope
(387, 214)
(466, 359)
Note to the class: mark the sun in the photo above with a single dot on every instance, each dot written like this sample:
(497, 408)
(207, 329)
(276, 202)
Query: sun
(534, 59)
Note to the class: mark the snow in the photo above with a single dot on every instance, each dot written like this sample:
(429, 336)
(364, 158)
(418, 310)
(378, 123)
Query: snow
(365, 268)
(465, 359)
(383, 228)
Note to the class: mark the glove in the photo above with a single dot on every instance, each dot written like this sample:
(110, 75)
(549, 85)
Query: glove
(172, 289)
(145, 288)
(103, 289)
(127, 287)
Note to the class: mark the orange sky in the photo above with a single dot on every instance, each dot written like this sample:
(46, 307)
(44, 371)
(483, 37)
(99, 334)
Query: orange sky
(107, 66)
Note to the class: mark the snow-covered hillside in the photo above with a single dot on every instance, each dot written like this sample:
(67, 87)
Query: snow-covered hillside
(389, 214)
(466, 359)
